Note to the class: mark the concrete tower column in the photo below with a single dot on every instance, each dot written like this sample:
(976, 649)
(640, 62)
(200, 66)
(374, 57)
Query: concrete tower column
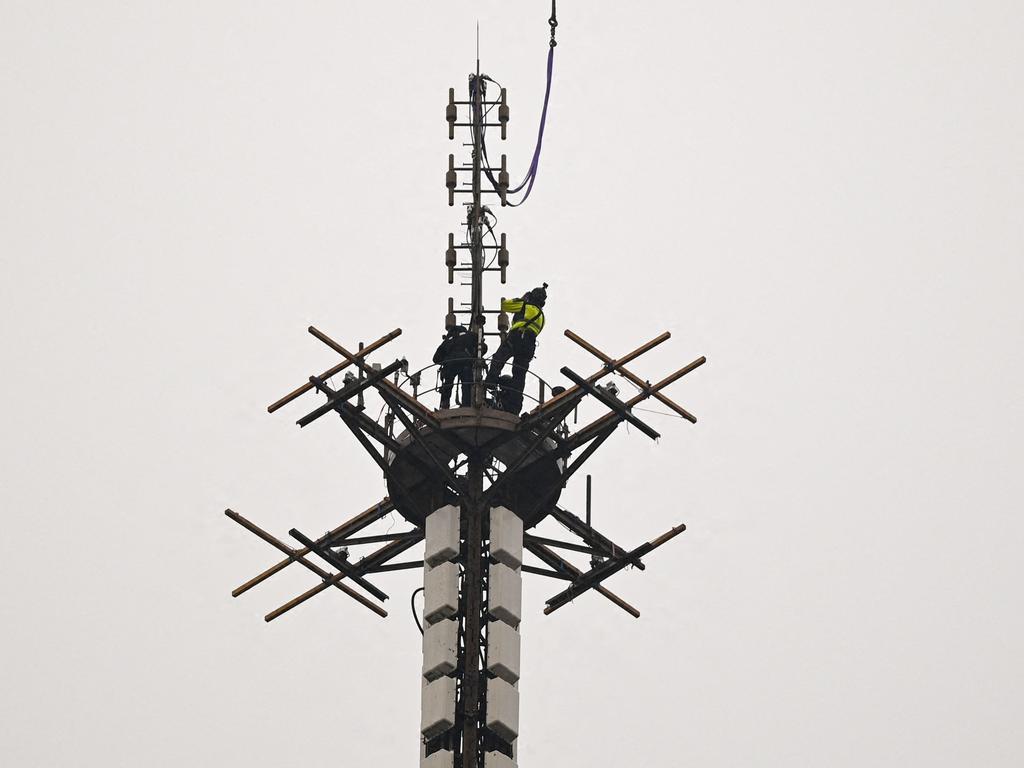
(440, 631)
(504, 605)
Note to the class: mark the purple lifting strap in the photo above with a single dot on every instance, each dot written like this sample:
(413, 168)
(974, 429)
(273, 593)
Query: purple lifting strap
(531, 174)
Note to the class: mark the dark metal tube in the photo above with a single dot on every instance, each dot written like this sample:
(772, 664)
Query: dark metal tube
(588, 499)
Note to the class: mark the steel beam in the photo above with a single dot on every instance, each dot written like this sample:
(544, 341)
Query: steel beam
(551, 574)
(529, 537)
(352, 542)
(387, 567)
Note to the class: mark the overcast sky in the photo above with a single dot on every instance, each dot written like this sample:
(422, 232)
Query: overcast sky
(822, 197)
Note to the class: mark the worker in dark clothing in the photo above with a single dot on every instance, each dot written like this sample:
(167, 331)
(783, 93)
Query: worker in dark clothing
(455, 355)
(520, 344)
(505, 395)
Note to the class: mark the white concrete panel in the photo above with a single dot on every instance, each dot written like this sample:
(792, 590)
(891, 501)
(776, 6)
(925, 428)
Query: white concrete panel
(506, 537)
(440, 648)
(442, 535)
(503, 651)
(498, 760)
(442, 759)
(438, 714)
(505, 600)
(502, 709)
(440, 592)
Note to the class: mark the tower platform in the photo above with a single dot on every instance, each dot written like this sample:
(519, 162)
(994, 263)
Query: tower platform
(531, 490)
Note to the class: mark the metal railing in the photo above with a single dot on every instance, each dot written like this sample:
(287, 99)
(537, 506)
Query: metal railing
(421, 387)
(541, 387)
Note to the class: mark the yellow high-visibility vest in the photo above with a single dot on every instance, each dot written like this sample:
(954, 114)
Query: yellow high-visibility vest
(527, 317)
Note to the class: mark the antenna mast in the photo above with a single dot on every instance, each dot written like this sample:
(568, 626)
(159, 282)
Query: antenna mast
(476, 226)
(472, 482)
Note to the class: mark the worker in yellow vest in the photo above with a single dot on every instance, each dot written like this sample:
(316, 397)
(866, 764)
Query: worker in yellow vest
(520, 344)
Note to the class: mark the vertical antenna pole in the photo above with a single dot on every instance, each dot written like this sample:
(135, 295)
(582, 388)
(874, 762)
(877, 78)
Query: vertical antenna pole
(476, 237)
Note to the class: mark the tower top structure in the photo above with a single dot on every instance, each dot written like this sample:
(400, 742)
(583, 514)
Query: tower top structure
(473, 482)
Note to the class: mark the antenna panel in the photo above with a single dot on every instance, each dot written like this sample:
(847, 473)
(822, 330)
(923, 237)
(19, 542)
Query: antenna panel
(440, 592)
(498, 760)
(506, 537)
(441, 648)
(442, 535)
(505, 601)
(438, 707)
(444, 759)
(503, 709)
(503, 645)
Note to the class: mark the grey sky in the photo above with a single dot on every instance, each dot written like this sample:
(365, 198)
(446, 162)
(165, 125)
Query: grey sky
(823, 198)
